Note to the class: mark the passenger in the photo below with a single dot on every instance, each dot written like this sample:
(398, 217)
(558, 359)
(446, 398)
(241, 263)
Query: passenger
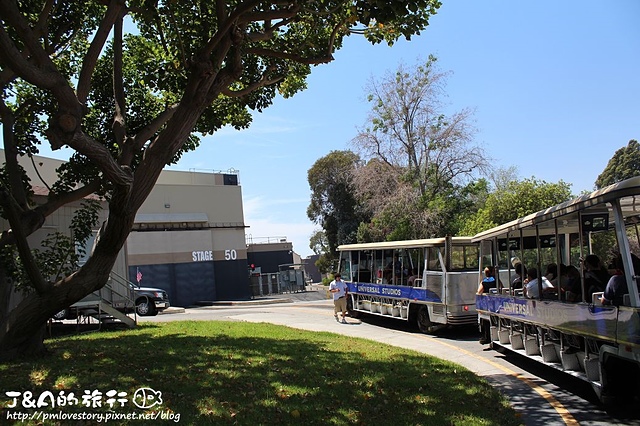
(617, 285)
(531, 290)
(571, 285)
(411, 281)
(488, 281)
(560, 279)
(596, 275)
(552, 272)
(518, 279)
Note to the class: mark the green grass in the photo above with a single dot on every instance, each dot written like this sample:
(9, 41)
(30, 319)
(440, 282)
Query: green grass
(259, 374)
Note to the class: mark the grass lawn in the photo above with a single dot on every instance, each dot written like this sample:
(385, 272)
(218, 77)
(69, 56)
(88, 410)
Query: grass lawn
(253, 374)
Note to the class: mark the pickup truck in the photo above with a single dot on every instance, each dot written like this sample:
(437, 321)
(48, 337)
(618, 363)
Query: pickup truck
(148, 301)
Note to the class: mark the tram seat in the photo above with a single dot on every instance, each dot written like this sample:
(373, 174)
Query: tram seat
(596, 298)
(493, 291)
(519, 292)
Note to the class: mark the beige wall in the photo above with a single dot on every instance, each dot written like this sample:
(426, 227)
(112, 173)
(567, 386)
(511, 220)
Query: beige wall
(221, 203)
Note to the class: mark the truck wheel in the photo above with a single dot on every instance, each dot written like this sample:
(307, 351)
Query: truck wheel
(145, 308)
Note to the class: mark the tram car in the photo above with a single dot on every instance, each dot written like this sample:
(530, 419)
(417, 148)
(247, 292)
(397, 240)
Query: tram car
(567, 288)
(429, 282)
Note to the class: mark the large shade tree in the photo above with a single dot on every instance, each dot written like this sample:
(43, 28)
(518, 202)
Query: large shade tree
(128, 84)
(334, 205)
(420, 156)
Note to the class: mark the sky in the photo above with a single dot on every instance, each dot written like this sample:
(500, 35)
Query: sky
(555, 86)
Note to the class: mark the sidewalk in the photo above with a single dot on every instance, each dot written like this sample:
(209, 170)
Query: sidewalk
(312, 293)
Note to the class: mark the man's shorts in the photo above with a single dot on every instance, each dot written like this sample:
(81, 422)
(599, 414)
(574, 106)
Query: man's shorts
(340, 305)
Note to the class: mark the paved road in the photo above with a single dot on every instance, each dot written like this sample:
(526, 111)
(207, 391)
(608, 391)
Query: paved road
(542, 396)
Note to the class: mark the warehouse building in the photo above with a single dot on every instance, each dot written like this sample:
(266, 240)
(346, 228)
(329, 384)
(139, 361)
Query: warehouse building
(188, 237)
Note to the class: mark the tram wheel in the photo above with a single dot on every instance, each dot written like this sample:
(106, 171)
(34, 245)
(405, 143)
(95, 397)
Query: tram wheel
(424, 322)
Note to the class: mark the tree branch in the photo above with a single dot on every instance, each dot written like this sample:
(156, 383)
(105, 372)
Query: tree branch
(119, 119)
(112, 15)
(282, 55)
(95, 152)
(227, 24)
(30, 267)
(32, 220)
(264, 81)
(11, 156)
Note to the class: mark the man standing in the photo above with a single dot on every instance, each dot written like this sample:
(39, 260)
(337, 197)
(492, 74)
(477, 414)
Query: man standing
(339, 290)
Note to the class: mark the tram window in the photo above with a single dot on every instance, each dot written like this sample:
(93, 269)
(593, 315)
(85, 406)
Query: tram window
(433, 261)
(345, 265)
(464, 258)
(378, 265)
(364, 266)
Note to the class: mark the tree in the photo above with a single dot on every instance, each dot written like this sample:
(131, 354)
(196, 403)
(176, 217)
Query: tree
(131, 103)
(319, 244)
(333, 203)
(624, 164)
(515, 200)
(419, 156)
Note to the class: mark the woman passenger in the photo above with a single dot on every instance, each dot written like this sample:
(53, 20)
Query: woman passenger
(488, 281)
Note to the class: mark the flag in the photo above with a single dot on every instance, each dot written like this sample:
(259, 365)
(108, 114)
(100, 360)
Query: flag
(138, 275)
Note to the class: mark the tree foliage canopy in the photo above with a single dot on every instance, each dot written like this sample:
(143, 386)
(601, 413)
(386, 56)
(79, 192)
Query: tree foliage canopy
(624, 164)
(128, 85)
(517, 199)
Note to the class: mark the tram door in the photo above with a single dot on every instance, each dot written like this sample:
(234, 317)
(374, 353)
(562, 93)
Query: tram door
(434, 273)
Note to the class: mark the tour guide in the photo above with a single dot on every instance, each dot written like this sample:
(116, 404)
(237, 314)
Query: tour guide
(339, 290)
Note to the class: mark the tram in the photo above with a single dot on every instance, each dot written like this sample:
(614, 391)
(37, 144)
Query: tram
(429, 282)
(571, 325)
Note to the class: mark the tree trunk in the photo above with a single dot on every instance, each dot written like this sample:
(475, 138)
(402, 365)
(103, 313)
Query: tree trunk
(22, 329)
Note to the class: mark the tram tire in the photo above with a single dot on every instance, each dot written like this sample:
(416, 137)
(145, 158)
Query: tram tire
(423, 321)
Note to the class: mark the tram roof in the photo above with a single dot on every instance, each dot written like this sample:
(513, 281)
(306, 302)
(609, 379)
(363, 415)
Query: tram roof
(628, 191)
(426, 242)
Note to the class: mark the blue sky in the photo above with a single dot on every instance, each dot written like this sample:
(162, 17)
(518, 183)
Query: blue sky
(555, 86)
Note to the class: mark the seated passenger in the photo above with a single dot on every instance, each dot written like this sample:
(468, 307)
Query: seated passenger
(531, 290)
(571, 285)
(518, 279)
(413, 276)
(616, 286)
(488, 281)
(596, 275)
(552, 272)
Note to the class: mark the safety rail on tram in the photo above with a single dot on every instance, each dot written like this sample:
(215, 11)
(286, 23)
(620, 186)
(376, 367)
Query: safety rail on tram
(430, 282)
(571, 322)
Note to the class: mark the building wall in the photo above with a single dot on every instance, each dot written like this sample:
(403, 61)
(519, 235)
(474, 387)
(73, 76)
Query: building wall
(185, 213)
(189, 239)
(269, 256)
